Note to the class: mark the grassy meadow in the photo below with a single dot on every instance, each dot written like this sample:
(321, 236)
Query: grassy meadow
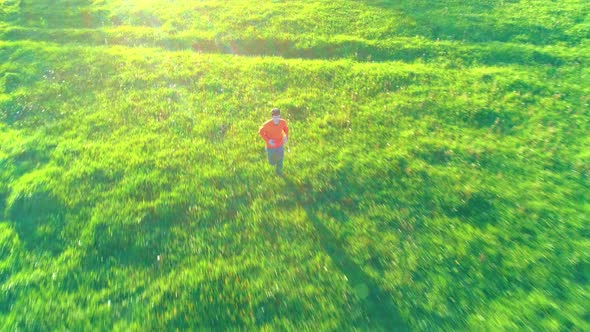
(436, 175)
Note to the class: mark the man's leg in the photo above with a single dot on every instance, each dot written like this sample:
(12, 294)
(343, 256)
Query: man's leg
(280, 154)
(271, 156)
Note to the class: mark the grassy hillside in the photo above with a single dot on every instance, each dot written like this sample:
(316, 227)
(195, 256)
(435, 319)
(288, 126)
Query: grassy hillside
(437, 171)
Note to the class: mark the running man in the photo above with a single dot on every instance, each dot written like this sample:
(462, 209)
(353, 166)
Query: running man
(272, 133)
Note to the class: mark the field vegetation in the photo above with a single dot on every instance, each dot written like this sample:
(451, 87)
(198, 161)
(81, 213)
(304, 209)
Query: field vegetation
(437, 170)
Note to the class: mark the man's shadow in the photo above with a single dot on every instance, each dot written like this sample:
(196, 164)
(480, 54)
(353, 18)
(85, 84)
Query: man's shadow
(378, 306)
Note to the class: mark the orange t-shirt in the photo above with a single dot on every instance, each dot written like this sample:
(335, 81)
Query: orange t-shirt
(270, 130)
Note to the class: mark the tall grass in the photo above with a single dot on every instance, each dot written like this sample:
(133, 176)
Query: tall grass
(436, 171)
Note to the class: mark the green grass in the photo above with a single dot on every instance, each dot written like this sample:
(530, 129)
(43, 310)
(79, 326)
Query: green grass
(436, 171)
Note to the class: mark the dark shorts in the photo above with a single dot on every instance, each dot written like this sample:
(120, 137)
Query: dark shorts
(275, 156)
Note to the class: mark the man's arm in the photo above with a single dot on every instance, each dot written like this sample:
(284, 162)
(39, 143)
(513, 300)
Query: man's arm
(263, 134)
(286, 131)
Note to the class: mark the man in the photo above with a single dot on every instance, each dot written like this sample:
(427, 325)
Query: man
(272, 133)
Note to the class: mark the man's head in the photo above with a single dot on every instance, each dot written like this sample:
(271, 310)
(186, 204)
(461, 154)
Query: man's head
(276, 115)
